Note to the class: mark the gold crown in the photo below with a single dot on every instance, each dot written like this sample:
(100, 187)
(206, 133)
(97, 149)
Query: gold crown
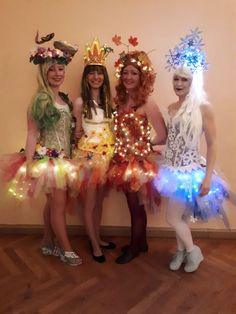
(95, 53)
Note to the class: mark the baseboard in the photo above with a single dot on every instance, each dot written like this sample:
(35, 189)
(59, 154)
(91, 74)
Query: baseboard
(160, 232)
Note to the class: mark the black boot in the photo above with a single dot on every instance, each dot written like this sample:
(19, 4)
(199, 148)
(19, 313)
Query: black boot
(142, 248)
(126, 257)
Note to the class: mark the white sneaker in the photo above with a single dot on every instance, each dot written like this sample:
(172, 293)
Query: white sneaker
(177, 260)
(194, 258)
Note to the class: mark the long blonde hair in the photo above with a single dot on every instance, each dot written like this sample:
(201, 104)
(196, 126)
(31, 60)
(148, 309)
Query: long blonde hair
(42, 105)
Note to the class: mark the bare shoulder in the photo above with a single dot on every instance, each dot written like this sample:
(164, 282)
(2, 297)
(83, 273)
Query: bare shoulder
(151, 105)
(207, 110)
(78, 102)
(151, 102)
(172, 108)
(78, 107)
(29, 113)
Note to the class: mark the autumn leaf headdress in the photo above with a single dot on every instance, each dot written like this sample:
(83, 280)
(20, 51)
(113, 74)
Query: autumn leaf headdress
(62, 52)
(138, 58)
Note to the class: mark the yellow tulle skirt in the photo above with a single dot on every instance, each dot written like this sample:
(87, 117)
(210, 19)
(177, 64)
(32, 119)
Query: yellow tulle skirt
(41, 175)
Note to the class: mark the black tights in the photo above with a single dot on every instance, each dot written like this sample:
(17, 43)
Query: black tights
(138, 222)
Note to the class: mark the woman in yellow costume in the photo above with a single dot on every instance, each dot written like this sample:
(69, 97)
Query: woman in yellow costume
(93, 113)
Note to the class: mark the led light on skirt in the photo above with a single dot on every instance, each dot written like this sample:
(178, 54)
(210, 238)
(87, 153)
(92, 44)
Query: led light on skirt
(44, 174)
(184, 187)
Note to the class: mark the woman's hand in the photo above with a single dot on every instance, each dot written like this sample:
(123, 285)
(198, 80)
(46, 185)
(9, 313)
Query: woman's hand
(28, 168)
(205, 187)
(78, 135)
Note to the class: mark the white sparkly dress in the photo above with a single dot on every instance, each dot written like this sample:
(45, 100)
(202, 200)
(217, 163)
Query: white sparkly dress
(182, 172)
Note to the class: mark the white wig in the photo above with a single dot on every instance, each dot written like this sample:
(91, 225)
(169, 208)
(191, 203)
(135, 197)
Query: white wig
(190, 109)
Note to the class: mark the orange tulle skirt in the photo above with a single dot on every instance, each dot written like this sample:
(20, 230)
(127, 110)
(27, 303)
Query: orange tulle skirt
(135, 175)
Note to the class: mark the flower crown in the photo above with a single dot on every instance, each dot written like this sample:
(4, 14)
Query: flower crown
(62, 52)
(138, 58)
(188, 53)
(42, 55)
(95, 54)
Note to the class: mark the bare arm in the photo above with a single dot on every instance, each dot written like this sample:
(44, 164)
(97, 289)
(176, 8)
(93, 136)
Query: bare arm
(156, 119)
(77, 113)
(210, 136)
(32, 136)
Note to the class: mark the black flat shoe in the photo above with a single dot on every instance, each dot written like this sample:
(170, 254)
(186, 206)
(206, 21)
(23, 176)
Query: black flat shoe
(99, 259)
(142, 249)
(126, 257)
(109, 246)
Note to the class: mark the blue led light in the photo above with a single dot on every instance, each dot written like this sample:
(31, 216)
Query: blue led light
(185, 186)
(188, 53)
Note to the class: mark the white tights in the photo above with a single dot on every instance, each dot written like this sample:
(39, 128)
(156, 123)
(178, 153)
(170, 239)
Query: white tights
(175, 218)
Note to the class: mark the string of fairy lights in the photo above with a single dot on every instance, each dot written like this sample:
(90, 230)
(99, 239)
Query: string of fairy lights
(132, 135)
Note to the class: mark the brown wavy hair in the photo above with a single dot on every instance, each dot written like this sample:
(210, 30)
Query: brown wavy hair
(147, 78)
(105, 92)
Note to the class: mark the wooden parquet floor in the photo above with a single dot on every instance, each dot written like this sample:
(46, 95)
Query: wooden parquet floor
(32, 283)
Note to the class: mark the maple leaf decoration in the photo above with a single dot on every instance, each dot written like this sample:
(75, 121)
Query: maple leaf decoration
(117, 40)
(133, 41)
(117, 63)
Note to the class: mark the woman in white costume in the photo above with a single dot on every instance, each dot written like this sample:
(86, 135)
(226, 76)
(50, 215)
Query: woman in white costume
(192, 188)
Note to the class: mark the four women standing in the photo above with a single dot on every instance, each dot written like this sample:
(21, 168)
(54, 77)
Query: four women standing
(129, 163)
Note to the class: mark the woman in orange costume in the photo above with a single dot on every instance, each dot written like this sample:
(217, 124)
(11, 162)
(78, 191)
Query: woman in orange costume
(133, 167)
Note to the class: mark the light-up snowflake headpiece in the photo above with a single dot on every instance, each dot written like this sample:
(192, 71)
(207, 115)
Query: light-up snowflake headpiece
(188, 53)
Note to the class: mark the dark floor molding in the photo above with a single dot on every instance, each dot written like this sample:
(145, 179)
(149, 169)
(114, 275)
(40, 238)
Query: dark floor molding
(120, 231)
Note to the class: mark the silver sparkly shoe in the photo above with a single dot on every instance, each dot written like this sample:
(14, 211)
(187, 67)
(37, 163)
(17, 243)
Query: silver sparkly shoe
(47, 249)
(51, 250)
(71, 258)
